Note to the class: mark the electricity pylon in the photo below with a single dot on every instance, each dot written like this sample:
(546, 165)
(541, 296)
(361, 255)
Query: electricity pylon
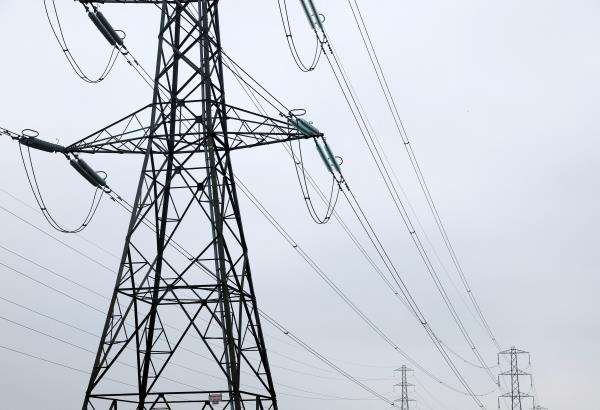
(404, 399)
(515, 394)
(184, 298)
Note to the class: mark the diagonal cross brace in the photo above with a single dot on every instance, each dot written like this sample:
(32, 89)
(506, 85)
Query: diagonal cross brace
(130, 134)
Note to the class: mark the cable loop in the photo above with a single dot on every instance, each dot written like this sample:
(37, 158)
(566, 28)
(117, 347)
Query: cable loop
(30, 133)
(285, 21)
(57, 30)
(39, 199)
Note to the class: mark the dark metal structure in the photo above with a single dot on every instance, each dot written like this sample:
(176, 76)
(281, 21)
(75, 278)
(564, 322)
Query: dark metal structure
(404, 399)
(515, 394)
(184, 298)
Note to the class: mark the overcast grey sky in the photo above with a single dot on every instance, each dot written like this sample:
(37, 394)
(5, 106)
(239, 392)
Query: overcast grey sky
(500, 100)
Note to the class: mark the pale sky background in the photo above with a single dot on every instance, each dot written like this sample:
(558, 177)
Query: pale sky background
(500, 100)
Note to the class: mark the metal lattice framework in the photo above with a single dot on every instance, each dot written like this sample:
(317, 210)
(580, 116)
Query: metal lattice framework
(184, 291)
(515, 394)
(404, 399)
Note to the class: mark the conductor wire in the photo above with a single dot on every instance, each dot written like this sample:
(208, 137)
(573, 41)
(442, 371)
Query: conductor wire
(287, 28)
(57, 30)
(39, 199)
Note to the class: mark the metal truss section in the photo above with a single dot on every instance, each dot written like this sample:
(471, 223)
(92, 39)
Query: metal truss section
(129, 135)
(515, 395)
(404, 400)
(183, 329)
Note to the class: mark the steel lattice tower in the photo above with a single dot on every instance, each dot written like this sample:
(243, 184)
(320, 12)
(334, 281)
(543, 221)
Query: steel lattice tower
(404, 399)
(184, 297)
(515, 395)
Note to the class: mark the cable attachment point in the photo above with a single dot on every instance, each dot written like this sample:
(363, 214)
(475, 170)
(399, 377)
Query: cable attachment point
(332, 158)
(102, 24)
(30, 139)
(313, 16)
(305, 127)
(57, 29)
(287, 28)
(332, 162)
(296, 112)
(323, 156)
(88, 173)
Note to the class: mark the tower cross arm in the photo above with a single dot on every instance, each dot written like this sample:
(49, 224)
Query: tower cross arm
(136, 134)
(135, 1)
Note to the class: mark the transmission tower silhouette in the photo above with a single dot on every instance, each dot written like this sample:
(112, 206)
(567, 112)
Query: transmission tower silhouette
(404, 399)
(515, 394)
(184, 288)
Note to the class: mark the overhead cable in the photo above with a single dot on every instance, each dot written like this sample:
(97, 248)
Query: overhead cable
(67, 295)
(389, 265)
(375, 62)
(289, 36)
(359, 116)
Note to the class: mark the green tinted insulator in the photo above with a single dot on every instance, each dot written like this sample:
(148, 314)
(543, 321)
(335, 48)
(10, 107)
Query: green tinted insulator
(308, 128)
(316, 14)
(305, 127)
(323, 156)
(75, 164)
(307, 13)
(293, 122)
(332, 157)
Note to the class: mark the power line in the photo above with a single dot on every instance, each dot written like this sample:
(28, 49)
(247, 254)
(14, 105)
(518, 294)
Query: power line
(391, 268)
(63, 365)
(108, 269)
(235, 68)
(32, 356)
(76, 346)
(246, 73)
(39, 199)
(62, 42)
(176, 56)
(417, 241)
(76, 283)
(376, 64)
(287, 28)
(324, 359)
(272, 221)
(77, 251)
(72, 326)
(53, 272)
(65, 294)
(314, 266)
(396, 348)
(359, 117)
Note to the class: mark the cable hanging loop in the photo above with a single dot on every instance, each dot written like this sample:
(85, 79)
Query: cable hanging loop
(30, 138)
(309, 130)
(105, 28)
(285, 21)
(34, 142)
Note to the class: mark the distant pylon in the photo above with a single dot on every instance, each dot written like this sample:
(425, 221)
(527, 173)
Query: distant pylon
(404, 400)
(515, 394)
